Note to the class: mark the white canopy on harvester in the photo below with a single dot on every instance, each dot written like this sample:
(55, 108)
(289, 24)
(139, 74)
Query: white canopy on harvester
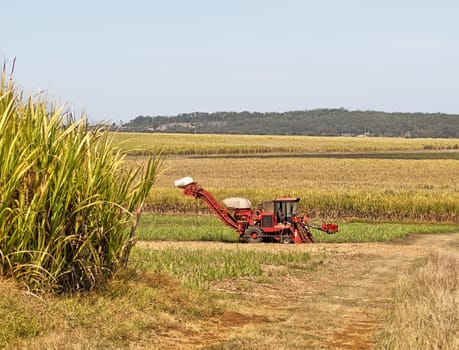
(237, 203)
(183, 182)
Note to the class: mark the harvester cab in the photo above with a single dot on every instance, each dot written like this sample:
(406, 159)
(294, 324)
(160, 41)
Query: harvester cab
(275, 221)
(286, 209)
(278, 211)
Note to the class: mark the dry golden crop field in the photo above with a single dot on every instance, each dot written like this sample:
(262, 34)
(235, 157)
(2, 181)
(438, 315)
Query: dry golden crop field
(351, 183)
(293, 174)
(227, 144)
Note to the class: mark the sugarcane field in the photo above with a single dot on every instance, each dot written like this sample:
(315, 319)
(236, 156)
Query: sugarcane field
(229, 175)
(345, 262)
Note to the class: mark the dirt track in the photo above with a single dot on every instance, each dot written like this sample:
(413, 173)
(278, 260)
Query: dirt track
(338, 305)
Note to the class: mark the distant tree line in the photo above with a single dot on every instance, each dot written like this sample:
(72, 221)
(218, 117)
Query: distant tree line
(318, 122)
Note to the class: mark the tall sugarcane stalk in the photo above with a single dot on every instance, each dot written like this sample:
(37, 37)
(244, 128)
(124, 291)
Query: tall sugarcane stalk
(67, 198)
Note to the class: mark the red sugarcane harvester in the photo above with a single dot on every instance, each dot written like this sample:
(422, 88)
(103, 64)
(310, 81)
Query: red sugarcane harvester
(273, 221)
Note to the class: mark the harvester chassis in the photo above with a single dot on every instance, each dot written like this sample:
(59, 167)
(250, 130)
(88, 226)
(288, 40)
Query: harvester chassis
(275, 221)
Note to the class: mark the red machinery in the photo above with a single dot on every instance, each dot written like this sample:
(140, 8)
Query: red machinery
(275, 220)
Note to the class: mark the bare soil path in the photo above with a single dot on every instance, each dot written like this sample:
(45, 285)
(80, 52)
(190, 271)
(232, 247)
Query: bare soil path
(340, 304)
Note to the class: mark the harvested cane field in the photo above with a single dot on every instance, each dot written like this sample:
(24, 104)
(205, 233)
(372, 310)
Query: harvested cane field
(367, 287)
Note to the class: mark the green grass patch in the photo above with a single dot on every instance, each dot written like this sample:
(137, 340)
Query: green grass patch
(208, 228)
(184, 228)
(199, 268)
(381, 232)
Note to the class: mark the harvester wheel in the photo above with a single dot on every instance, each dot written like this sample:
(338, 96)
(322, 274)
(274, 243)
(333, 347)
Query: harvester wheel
(253, 234)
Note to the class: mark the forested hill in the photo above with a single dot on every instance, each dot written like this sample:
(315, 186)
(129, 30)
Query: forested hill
(329, 122)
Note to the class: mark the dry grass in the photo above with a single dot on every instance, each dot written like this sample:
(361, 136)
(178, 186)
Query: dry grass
(131, 313)
(425, 313)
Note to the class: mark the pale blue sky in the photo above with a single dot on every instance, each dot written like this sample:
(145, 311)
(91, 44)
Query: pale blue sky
(119, 59)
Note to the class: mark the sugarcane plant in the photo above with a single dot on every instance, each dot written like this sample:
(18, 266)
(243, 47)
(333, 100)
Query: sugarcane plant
(69, 203)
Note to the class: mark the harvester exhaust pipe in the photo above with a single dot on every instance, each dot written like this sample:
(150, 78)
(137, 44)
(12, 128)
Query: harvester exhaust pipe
(183, 182)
